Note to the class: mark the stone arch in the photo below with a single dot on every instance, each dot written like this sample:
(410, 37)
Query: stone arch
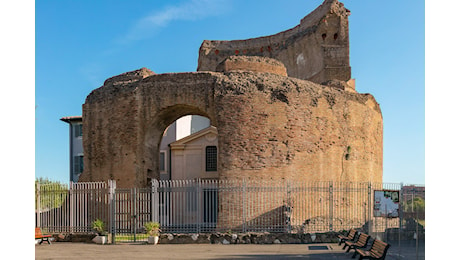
(126, 117)
(157, 127)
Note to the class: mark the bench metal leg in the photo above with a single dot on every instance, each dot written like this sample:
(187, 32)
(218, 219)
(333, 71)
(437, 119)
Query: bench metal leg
(45, 239)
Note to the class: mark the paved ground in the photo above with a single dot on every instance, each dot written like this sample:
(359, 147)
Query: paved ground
(205, 251)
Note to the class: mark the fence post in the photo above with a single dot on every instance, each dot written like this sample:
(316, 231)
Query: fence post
(38, 214)
(288, 207)
(244, 205)
(401, 215)
(369, 208)
(155, 201)
(331, 205)
(71, 208)
(112, 186)
(198, 205)
(134, 210)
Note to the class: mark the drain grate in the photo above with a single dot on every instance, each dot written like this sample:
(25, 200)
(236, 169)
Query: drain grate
(318, 248)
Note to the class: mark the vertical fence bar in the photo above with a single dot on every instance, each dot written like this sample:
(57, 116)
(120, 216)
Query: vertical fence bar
(331, 205)
(111, 203)
(71, 207)
(134, 211)
(369, 207)
(155, 201)
(244, 205)
(198, 206)
(37, 199)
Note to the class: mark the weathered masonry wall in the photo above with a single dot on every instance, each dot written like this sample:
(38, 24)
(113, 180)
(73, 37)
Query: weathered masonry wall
(274, 121)
(316, 50)
(269, 127)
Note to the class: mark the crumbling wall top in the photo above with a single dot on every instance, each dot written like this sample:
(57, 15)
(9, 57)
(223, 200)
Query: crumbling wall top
(129, 77)
(252, 63)
(316, 50)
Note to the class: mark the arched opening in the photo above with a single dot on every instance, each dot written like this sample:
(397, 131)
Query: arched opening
(170, 130)
(188, 149)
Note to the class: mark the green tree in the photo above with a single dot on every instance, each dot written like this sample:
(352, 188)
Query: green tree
(51, 193)
(415, 204)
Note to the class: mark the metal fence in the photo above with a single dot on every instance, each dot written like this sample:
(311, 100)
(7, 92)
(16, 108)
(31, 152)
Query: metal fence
(195, 206)
(71, 208)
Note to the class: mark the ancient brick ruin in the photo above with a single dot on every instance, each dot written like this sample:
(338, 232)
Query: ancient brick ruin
(284, 106)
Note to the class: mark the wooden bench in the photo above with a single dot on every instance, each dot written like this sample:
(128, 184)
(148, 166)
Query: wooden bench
(350, 237)
(361, 243)
(41, 236)
(378, 251)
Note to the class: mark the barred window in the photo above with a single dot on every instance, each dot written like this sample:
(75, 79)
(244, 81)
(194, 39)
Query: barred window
(211, 158)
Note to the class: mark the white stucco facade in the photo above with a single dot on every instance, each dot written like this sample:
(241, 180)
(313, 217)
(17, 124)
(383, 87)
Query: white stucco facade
(195, 156)
(181, 128)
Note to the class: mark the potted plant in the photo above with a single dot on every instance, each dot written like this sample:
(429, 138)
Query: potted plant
(99, 226)
(153, 230)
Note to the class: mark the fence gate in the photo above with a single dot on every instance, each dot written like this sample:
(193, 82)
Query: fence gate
(132, 208)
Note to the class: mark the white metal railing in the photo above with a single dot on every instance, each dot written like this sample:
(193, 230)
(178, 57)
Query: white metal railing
(194, 206)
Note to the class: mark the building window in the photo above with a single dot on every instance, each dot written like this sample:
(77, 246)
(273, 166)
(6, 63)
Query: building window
(78, 164)
(78, 130)
(211, 158)
(162, 161)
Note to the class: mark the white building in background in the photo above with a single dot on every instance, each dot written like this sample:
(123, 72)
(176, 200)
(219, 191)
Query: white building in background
(195, 156)
(180, 129)
(76, 146)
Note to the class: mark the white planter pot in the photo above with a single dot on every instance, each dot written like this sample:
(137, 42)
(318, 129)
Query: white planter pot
(100, 240)
(153, 240)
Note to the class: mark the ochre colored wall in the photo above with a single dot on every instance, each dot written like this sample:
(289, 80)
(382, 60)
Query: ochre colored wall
(269, 126)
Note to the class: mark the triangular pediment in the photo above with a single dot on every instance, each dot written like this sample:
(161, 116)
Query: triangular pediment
(209, 133)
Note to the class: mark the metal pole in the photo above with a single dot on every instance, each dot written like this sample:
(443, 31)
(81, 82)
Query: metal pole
(416, 227)
(289, 207)
(152, 198)
(244, 205)
(112, 186)
(401, 218)
(198, 208)
(133, 199)
(38, 204)
(331, 205)
(369, 207)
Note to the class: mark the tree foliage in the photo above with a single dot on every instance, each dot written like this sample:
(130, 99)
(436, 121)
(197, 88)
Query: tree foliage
(49, 194)
(414, 205)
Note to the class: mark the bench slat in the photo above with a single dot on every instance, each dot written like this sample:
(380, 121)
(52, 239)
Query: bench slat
(362, 242)
(351, 236)
(378, 250)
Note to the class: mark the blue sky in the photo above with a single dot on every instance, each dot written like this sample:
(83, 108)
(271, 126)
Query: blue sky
(79, 44)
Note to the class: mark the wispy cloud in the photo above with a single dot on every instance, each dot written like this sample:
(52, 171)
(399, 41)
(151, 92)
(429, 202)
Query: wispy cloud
(186, 11)
(147, 26)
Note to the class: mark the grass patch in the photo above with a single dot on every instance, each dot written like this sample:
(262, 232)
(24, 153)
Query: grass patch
(130, 237)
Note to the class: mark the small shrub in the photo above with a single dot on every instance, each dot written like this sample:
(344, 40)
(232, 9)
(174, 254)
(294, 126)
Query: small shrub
(152, 228)
(99, 226)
